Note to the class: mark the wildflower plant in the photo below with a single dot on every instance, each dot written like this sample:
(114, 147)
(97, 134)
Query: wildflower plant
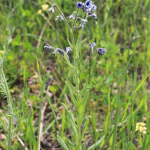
(13, 112)
(4, 89)
(78, 96)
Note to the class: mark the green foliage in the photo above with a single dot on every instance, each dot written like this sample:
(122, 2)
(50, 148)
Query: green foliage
(123, 29)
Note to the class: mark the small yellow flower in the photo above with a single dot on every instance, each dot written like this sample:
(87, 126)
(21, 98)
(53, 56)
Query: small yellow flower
(145, 19)
(39, 11)
(44, 7)
(1, 52)
(140, 126)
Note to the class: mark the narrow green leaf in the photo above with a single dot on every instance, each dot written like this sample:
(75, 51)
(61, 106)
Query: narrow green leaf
(54, 113)
(38, 68)
(69, 143)
(132, 115)
(83, 105)
(83, 146)
(72, 87)
(84, 129)
(83, 41)
(63, 120)
(141, 83)
(85, 98)
(125, 69)
(68, 62)
(96, 144)
(62, 143)
(74, 126)
(116, 121)
(85, 86)
(71, 95)
(70, 44)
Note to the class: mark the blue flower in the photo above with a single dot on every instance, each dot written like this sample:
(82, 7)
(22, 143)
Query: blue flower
(101, 51)
(88, 3)
(59, 18)
(93, 8)
(92, 45)
(68, 49)
(79, 4)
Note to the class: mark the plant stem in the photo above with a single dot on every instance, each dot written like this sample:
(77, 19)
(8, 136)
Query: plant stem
(77, 81)
(75, 20)
(9, 105)
(74, 26)
(62, 15)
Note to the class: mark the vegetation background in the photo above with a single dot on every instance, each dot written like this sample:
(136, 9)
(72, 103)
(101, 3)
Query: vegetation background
(123, 28)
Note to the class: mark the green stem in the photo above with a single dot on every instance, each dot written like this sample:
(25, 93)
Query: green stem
(9, 105)
(62, 15)
(77, 81)
(75, 21)
(73, 27)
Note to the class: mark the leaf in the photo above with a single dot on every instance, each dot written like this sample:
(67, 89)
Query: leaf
(68, 62)
(53, 113)
(62, 143)
(128, 146)
(69, 143)
(77, 49)
(72, 87)
(96, 144)
(125, 69)
(133, 114)
(83, 41)
(70, 44)
(141, 83)
(84, 129)
(74, 126)
(116, 121)
(72, 96)
(85, 86)
(84, 103)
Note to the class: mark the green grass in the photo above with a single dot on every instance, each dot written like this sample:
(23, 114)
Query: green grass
(118, 85)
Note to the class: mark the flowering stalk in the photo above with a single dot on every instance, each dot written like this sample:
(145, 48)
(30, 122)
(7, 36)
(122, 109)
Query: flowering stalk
(61, 15)
(78, 97)
(5, 90)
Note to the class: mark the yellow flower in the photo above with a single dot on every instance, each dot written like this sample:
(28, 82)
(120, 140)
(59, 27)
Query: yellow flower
(145, 19)
(39, 11)
(1, 52)
(44, 7)
(140, 126)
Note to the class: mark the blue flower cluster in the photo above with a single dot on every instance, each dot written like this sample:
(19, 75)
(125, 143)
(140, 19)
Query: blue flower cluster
(88, 8)
(49, 48)
(101, 51)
